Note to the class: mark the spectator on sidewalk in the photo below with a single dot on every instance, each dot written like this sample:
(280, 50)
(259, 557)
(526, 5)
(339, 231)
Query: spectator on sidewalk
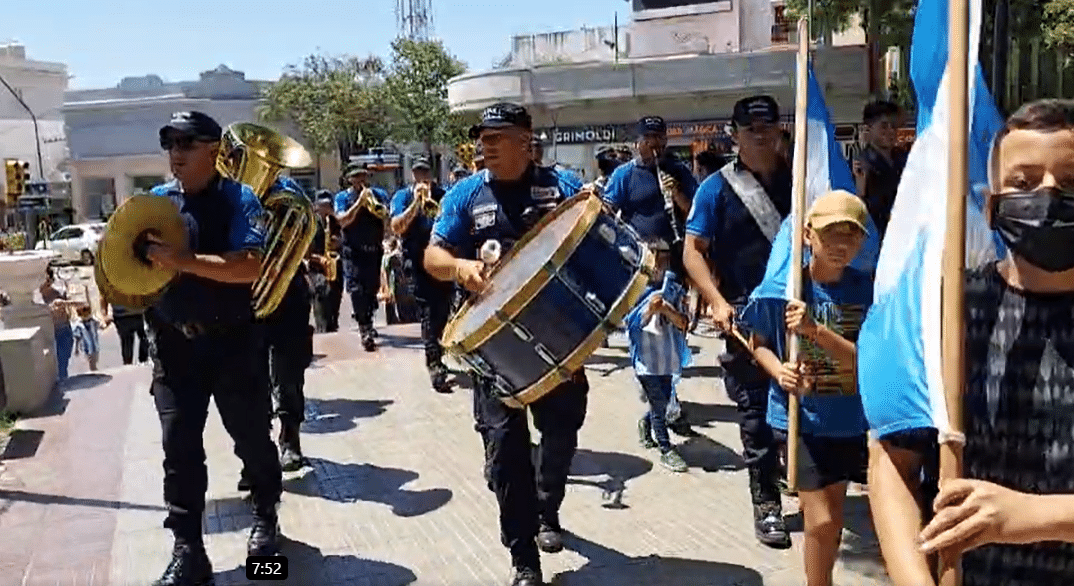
(59, 306)
(87, 336)
(130, 324)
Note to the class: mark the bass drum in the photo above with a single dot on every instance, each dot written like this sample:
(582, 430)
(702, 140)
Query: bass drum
(551, 301)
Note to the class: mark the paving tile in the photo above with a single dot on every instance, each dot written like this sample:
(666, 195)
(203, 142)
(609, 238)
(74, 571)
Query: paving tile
(394, 495)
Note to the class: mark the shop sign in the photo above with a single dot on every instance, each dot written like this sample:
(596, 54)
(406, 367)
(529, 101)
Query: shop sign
(582, 134)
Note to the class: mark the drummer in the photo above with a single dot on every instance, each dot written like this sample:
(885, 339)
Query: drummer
(500, 204)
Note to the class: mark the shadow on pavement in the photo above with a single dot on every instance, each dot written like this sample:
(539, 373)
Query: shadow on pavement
(308, 566)
(59, 499)
(336, 415)
(705, 414)
(617, 467)
(346, 483)
(610, 568)
(710, 455)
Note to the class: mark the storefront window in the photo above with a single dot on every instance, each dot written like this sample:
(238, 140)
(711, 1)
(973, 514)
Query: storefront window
(143, 183)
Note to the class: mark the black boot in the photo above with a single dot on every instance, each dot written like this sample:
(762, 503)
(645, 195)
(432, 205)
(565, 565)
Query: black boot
(369, 341)
(264, 535)
(190, 566)
(527, 565)
(526, 577)
(550, 536)
(768, 524)
(439, 375)
(291, 458)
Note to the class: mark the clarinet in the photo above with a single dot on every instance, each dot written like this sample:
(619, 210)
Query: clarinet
(669, 201)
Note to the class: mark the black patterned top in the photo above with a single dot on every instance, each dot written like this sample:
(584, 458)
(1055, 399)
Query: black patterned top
(1019, 410)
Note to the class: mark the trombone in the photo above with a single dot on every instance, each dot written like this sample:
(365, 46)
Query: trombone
(423, 192)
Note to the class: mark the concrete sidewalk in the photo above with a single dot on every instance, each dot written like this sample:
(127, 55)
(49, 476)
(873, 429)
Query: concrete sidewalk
(395, 493)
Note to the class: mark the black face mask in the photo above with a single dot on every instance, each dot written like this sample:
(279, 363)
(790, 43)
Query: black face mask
(1038, 226)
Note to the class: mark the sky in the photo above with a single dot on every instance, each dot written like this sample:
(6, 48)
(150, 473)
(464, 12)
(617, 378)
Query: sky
(103, 41)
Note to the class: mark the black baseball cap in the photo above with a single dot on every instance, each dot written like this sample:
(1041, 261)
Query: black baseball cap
(421, 163)
(755, 109)
(192, 124)
(323, 195)
(651, 125)
(353, 169)
(502, 115)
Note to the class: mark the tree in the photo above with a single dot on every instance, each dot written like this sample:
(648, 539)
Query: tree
(1058, 25)
(829, 16)
(416, 88)
(336, 103)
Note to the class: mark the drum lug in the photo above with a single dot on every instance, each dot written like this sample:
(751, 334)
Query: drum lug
(594, 302)
(545, 354)
(523, 334)
(607, 233)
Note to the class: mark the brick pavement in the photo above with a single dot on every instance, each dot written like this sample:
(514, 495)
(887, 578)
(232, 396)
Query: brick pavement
(395, 494)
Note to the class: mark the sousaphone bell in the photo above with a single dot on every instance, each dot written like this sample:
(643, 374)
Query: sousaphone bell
(124, 274)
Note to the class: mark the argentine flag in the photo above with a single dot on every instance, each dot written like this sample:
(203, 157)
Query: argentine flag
(826, 170)
(899, 364)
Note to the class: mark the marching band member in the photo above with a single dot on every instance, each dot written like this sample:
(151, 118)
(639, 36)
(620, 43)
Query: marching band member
(289, 342)
(413, 226)
(500, 204)
(607, 162)
(479, 159)
(207, 345)
(1012, 516)
(537, 147)
(833, 450)
(635, 190)
(363, 249)
(327, 295)
(736, 214)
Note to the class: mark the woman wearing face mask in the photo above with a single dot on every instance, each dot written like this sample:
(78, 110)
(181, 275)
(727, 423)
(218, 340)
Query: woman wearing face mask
(1012, 516)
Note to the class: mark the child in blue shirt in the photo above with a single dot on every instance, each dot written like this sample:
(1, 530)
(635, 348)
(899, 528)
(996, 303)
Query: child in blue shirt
(656, 328)
(832, 448)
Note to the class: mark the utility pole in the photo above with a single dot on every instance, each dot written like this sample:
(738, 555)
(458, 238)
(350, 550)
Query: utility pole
(37, 134)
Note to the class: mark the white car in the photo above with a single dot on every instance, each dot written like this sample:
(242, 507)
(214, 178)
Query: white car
(75, 243)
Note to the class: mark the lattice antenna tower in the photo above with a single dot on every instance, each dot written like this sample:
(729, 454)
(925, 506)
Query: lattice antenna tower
(414, 19)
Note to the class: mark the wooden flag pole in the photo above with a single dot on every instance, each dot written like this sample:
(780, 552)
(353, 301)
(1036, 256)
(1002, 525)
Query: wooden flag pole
(952, 332)
(794, 275)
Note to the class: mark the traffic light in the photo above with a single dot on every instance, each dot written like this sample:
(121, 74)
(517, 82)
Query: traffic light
(11, 176)
(17, 175)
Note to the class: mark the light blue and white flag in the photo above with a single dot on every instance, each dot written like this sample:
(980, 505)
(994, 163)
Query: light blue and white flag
(826, 170)
(899, 363)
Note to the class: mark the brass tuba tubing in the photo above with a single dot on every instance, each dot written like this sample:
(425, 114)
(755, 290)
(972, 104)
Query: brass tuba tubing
(255, 155)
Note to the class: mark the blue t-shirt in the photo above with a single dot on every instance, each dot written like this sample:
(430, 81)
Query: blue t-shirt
(635, 191)
(226, 217)
(479, 209)
(737, 246)
(834, 408)
(367, 230)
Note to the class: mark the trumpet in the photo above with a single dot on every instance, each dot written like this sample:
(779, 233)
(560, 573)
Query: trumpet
(423, 192)
(368, 200)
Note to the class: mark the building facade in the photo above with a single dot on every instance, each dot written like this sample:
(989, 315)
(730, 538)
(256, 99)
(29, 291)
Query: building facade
(38, 86)
(685, 60)
(114, 145)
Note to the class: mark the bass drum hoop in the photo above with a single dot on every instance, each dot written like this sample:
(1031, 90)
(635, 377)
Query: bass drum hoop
(457, 346)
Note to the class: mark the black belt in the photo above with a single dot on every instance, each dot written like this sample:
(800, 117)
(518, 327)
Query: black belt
(194, 330)
(362, 248)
